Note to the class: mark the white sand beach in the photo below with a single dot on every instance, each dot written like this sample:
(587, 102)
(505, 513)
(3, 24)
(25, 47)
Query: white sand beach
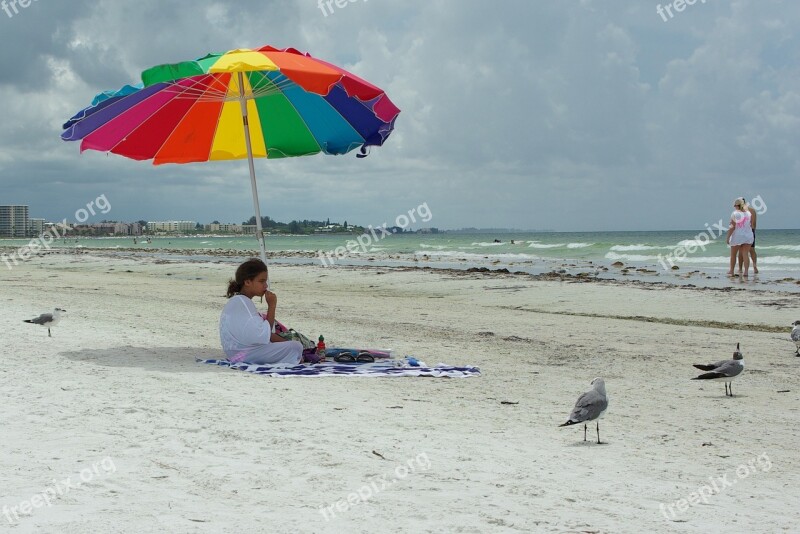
(179, 446)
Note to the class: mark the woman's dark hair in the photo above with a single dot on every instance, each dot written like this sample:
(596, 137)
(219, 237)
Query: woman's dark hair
(246, 271)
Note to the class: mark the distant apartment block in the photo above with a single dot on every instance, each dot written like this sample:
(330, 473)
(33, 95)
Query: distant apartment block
(220, 228)
(14, 221)
(107, 229)
(224, 228)
(36, 227)
(171, 226)
(117, 228)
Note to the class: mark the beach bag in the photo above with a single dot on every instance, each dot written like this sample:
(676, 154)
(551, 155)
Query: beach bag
(292, 334)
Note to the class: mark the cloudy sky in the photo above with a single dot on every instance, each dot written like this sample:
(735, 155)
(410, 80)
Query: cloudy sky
(568, 115)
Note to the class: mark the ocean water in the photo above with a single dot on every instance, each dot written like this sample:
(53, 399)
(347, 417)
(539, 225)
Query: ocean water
(778, 250)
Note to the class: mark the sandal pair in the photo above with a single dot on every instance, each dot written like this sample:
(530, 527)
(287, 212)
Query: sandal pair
(348, 357)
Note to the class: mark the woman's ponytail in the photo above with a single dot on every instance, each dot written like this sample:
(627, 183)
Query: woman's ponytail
(233, 287)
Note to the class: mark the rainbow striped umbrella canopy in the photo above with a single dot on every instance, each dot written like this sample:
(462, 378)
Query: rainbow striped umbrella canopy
(245, 103)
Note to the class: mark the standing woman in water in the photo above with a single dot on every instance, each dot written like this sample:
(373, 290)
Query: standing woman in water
(740, 236)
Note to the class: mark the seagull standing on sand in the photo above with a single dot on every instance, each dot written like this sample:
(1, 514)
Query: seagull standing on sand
(589, 407)
(48, 319)
(796, 336)
(723, 371)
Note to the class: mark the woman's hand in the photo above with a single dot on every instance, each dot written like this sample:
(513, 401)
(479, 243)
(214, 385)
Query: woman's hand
(271, 298)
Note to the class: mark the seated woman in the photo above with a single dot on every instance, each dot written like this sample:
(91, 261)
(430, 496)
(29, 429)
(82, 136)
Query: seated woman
(245, 335)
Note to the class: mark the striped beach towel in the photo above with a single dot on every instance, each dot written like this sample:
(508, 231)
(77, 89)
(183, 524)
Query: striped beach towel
(379, 368)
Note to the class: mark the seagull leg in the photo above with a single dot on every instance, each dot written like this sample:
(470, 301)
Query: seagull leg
(598, 432)
(731, 386)
(584, 431)
(48, 332)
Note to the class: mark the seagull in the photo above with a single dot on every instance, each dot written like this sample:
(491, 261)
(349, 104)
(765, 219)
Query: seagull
(796, 336)
(590, 406)
(723, 371)
(48, 319)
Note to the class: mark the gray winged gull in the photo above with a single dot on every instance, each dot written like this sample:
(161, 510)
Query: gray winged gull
(796, 336)
(589, 407)
(48, 319)
(723, 371)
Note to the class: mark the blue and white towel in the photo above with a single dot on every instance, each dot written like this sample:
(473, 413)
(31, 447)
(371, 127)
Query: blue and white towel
(379, 368)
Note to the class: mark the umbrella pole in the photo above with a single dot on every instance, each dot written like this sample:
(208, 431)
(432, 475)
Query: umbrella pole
(259, 230)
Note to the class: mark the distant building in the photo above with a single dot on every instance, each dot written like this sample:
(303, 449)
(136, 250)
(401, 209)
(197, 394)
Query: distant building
(112, 228)
(328, 228)
(36, 227)
(220, 228)
(14, 221)
(108, 229)
(104, 228)
(173, 227)
(135, 229)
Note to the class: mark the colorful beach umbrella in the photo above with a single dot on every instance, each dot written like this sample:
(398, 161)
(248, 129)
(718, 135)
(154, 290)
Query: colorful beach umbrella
(245, 103)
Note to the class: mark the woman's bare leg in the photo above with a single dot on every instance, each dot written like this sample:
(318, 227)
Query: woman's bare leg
(746, 253)
(734, 255)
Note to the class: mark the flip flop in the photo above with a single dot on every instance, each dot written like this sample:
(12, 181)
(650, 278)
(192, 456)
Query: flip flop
(344, 357)
(365, 357)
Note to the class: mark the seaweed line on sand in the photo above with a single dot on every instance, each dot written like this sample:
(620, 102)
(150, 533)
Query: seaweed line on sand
(661, 320)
